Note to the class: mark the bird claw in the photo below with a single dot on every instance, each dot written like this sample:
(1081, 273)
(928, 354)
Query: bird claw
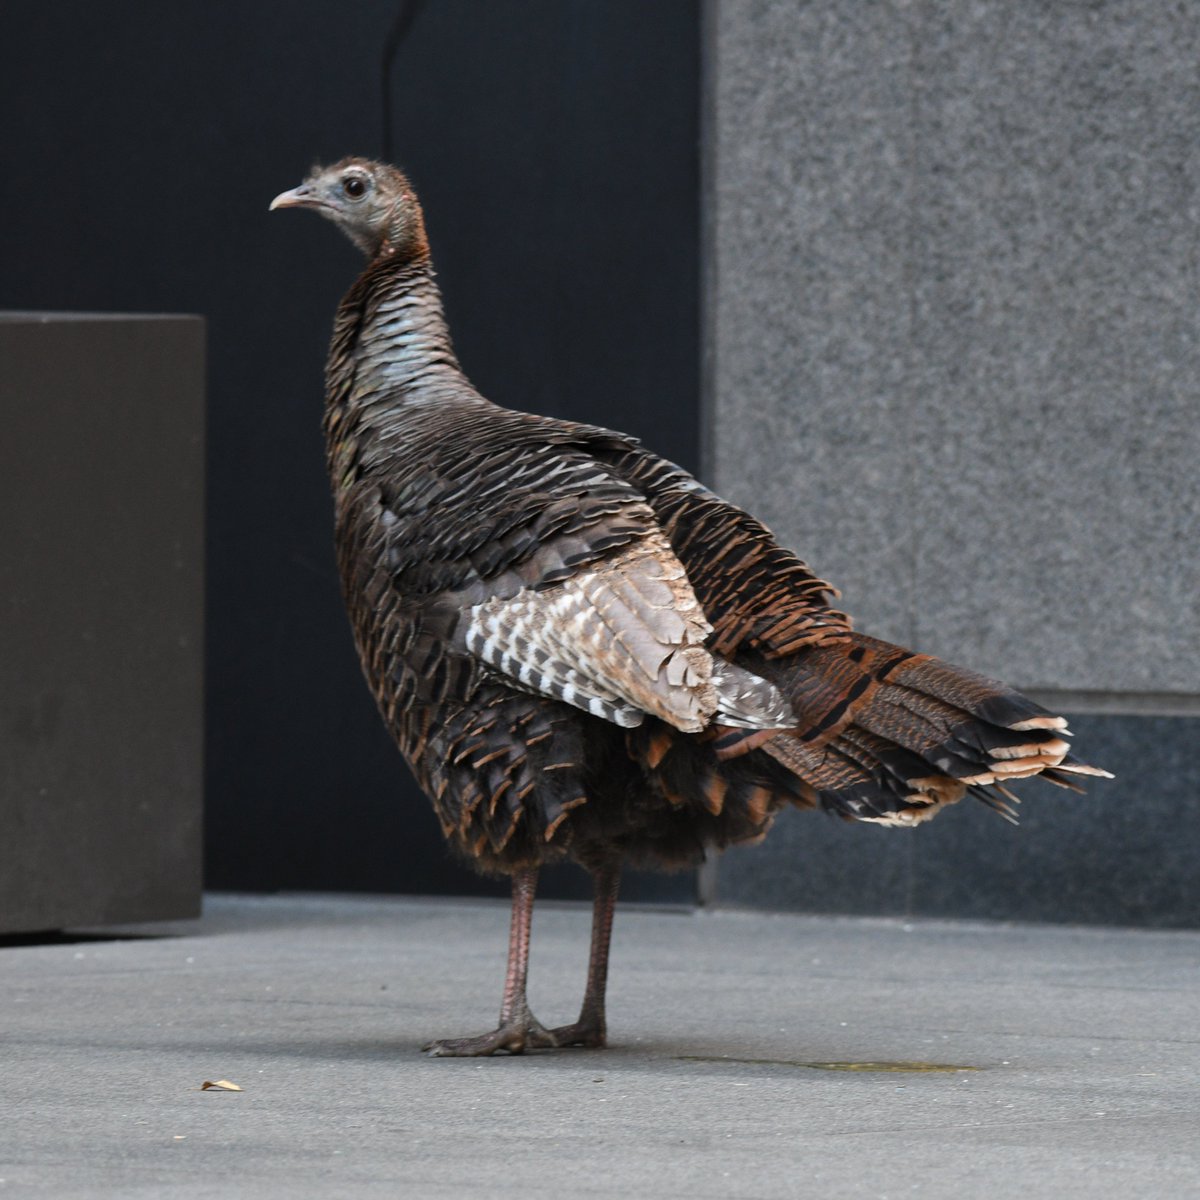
(517, 1037)
(585, 1034)
(509, 1038)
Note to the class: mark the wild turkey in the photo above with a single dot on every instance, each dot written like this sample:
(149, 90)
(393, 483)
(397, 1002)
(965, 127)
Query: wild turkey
(585, 654)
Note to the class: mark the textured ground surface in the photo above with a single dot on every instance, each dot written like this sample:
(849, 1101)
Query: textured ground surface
(1085, 1046)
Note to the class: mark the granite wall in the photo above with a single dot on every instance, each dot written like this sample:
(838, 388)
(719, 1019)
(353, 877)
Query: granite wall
(951, 306)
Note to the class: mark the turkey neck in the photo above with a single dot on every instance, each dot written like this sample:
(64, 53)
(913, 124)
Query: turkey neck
(391, 347)
(390, 364)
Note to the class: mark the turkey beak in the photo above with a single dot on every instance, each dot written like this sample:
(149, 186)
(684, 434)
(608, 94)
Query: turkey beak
(299, 197)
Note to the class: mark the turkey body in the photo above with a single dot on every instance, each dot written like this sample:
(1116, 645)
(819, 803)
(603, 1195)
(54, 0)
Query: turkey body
(583, 653)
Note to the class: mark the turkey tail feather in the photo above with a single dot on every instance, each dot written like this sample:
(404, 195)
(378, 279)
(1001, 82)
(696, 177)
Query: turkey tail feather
(890, 736)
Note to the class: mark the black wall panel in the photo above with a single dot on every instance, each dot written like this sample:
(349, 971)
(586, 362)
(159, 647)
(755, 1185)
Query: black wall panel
(555, 145)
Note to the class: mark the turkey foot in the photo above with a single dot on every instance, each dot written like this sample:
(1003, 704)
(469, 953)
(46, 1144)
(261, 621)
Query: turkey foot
(511, 1038)
(587, 1034)
(515, 1038)
(520, 1035)
(590, 1030)
(517, 1024)
(519, 1030)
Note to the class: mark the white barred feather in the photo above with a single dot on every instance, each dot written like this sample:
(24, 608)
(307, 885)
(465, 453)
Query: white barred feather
(622, 639)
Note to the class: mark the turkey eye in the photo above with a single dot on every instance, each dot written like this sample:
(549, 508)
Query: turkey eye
(353, 186)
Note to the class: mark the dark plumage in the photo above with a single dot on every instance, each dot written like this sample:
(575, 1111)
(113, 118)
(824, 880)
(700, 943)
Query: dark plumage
(581, 651)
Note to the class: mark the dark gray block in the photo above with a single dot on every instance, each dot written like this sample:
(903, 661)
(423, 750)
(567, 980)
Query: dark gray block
(1125, 853)
(101, 571)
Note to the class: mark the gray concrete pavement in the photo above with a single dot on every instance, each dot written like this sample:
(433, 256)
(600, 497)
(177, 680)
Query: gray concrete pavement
(1084, 1044)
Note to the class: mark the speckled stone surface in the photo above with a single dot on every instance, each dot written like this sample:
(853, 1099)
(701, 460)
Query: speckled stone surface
(953, 314)
(1126, 853)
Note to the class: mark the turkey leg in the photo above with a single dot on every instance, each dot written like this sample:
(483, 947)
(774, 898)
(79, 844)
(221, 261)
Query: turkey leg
(590, 1029)
(517, 1023)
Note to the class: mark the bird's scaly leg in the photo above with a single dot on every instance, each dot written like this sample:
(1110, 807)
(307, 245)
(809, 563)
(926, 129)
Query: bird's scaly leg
(590, 1029)
(516, 1021)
